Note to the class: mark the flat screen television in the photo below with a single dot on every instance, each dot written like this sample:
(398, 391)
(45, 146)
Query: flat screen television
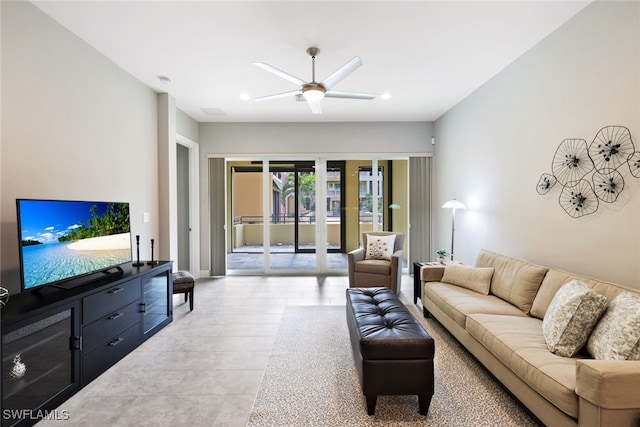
(61, 240)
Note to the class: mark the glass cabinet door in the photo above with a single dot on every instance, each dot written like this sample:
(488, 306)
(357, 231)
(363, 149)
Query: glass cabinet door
(156, 295)
(39, 362)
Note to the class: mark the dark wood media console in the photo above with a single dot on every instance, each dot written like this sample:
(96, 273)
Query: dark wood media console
(55, 341)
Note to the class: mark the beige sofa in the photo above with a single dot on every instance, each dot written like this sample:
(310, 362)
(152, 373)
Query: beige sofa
(503, 330)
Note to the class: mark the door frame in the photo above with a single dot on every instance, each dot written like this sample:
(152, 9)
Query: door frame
(194, 201)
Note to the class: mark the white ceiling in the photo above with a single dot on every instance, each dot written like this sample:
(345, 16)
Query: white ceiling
(428, 55)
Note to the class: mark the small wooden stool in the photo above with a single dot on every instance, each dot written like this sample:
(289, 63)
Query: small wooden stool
(184, 283)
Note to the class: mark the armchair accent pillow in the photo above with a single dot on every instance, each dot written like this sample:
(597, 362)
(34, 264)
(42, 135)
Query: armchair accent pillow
(380, 247)
(572, 314)
(617, 334)
(477, 279)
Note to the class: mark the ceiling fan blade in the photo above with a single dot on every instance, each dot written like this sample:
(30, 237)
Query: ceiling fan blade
(278, 72)
(341, 73)
(349, 95)
(315, 106)
(278, 95)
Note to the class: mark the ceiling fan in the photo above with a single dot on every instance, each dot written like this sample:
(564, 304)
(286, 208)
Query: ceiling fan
(313, 91)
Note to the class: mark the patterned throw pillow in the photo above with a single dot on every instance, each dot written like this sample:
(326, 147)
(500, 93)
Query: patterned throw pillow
(571, 316)
(617, 335)
(380, 247)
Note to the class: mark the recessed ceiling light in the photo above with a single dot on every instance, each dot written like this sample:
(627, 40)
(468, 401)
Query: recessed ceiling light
(164, 80)
(245, 96)
(385, 96)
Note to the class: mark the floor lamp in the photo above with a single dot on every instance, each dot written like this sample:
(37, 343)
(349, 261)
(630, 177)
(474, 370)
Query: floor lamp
(453, 205)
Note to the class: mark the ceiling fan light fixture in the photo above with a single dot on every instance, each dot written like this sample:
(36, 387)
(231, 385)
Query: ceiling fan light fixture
(313, 93)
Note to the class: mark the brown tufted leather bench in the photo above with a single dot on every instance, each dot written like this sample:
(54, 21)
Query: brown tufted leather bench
(392, 352)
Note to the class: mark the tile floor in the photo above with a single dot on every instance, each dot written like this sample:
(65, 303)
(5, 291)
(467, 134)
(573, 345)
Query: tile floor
(203, 369)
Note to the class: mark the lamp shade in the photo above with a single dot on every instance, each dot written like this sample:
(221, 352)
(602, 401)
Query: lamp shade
(454, 204)
(313, 94)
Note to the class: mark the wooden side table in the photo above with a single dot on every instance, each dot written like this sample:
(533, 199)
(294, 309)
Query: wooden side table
(417, 277)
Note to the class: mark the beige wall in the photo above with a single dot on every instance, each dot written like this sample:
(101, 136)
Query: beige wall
(394, 138)
(248, 194)
(492, 148)
(66, 132)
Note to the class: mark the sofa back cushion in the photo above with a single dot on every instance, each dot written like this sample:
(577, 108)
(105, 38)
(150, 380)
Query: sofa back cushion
(554, 279)
(513, 280)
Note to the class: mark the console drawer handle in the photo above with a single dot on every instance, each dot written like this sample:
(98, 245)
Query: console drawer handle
(115, 316)
(115, 290)
(116, 342)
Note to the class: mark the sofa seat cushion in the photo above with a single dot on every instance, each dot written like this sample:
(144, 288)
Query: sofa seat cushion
(373, 266)
(459, 302)
(518, 343)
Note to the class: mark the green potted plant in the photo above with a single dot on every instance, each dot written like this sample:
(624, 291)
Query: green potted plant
(442, 254)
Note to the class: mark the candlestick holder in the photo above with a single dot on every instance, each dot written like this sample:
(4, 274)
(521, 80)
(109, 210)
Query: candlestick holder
(152, 262)
(138, 263)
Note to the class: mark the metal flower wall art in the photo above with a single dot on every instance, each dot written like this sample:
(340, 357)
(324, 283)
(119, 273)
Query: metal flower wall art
(590, 174)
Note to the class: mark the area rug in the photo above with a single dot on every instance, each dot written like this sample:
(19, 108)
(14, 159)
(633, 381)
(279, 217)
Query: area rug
(310, 380)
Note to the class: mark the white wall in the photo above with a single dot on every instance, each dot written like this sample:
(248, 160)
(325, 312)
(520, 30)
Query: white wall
(492, 148)
(187, 127)
(74, 126)
(334, 140)
(315, 138)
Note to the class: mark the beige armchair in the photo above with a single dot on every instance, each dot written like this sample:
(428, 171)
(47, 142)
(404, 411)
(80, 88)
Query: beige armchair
(367, 273)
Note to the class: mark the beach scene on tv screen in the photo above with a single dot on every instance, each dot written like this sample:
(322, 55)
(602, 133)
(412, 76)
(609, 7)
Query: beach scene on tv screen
(62, 239)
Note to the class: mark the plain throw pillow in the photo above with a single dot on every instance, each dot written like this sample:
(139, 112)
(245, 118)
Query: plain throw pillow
(380, 247)
(617, 334)
(572, 314)
(477, 279)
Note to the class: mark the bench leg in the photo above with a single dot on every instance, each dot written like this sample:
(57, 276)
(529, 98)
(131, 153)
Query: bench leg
(191, 299)
(424, 400)
(371, 404)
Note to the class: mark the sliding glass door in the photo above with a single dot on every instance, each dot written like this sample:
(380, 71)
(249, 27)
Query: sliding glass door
(246, 251)
(304, 187)
(293, 229)
(305, 215)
